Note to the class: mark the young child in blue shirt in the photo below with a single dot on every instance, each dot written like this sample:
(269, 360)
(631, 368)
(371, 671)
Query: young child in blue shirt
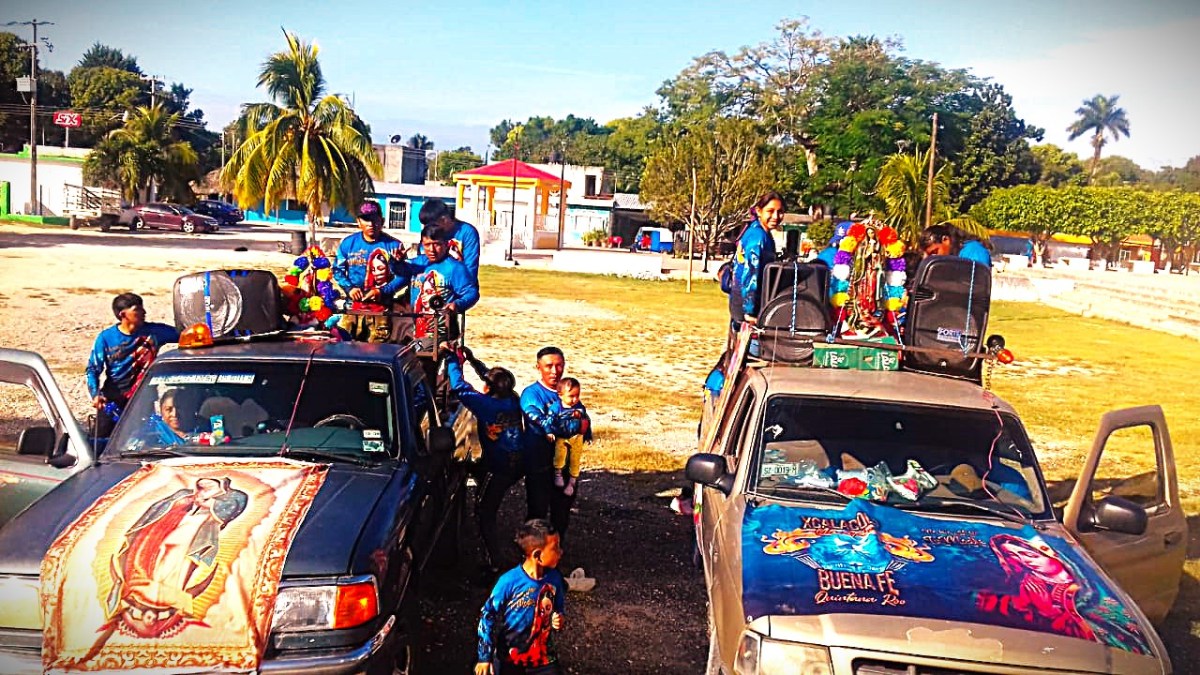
(572, 428)
(526, 604)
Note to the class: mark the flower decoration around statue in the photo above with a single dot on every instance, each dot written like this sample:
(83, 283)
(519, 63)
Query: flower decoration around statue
(307, 290)
(868, 285)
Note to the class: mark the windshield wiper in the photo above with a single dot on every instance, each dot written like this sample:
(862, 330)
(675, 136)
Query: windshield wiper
(314, 453)
(154, 452)
(1010, 513)
(842, 497)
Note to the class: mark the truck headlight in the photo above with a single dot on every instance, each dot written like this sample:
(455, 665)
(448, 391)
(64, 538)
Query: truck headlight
(758, 655)
(20, 606)
(304, 608)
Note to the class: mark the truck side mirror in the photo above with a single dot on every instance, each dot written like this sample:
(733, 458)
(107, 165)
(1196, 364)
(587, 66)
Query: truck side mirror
(440, 441)
(1117, 514)
(37, 440)
(709, 469)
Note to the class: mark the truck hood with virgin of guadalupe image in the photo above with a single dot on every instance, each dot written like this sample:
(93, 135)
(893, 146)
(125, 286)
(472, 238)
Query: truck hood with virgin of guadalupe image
(866, 558)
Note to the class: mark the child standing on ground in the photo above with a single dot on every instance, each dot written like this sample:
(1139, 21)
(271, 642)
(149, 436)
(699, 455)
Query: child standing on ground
(572, 428)
(525, 605)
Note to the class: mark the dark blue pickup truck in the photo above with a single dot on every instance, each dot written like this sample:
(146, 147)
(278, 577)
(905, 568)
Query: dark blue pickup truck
(394, 485)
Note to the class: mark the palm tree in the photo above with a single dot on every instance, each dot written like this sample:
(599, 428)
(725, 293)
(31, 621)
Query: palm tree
(1099, 116)
(144, 149)
(305, 144)
(902, 185)
(420, 142)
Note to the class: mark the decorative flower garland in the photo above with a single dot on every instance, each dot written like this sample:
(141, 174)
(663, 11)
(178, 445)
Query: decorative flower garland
(868, 276)
(308, 287)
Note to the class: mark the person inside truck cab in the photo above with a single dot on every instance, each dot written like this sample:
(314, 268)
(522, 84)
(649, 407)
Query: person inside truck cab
(122, 353)
(755, 248)
(949, 240)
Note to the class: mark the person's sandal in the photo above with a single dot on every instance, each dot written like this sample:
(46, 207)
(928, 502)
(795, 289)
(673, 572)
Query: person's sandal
(579, 582)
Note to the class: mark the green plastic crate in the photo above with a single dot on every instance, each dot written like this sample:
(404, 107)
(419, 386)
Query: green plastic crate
(870, 358)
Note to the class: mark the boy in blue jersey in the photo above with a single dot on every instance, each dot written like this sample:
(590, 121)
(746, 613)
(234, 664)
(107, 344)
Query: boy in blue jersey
(463, 238)
(497, 413)
(526, 604)
(439, 281)
(540, 403)
(123, 352)
(370, 271)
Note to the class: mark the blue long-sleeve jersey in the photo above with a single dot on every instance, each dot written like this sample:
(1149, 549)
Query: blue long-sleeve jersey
(123, 358)
(464, 247)
(566, 423)
(539, 404)
(500, 427)
(353, 255)
(973, 250)
(448, 278)
(514, 626)
(755, 249)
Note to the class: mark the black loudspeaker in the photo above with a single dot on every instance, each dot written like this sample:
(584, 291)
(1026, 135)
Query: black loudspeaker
(795, 311)
(948, 310)
(230, 302)
(791, 246)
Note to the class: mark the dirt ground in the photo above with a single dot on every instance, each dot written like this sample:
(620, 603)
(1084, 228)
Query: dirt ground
(646, 613)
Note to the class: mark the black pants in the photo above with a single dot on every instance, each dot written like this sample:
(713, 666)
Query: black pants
(492, 490)
(547, 500)
(104, 421)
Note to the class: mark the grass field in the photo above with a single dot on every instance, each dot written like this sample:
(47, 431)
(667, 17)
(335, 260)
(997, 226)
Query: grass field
(642, 349)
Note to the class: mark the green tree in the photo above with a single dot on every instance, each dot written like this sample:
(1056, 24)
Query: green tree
(103, 56)
(1057, 167)
(453, 161)
(103, 95)
(419, 142)
(146, 148)
(14, 114)
(725, 165)
(305, 143)
(1100, 117)
(995, 150)
(902, 188)
(628, 146)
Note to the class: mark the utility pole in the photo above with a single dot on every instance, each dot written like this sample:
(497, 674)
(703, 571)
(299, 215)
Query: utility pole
(512, 220)
(35, 204)
(153, 80)
(929, 183)
(562, 194)
(691, 227)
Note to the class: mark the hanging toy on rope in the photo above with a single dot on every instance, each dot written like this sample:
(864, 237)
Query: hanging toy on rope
(868, 272)
(307, 288)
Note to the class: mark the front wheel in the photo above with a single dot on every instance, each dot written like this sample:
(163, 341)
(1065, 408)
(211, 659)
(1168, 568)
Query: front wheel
(189, 228)
(137, 224)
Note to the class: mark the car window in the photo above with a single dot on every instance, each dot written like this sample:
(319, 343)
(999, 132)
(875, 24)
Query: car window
(20, 409)
(249, 408)
(935, 455)
(737, 438)
(183, 210)
(1128, 468)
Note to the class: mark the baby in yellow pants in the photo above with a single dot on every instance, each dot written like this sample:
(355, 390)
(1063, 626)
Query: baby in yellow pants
(572, 428)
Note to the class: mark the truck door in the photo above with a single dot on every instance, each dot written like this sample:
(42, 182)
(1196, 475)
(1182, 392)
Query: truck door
(1132, 459)
(41, 444)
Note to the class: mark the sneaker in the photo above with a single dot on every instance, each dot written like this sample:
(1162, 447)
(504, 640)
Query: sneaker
(558, 480)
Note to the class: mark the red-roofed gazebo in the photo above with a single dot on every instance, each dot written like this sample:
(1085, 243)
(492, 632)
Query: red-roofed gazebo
(511, 176)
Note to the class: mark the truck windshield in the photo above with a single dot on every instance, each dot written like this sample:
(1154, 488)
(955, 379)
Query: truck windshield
(246, 408)
(922, 457)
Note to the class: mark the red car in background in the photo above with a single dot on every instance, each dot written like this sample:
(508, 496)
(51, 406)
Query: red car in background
(158, 215)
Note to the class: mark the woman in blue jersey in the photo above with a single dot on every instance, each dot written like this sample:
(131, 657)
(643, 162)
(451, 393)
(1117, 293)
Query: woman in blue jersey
(949, 240)
(755, 248)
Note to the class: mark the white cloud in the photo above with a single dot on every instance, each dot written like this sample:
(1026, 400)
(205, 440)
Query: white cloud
(1151, 68)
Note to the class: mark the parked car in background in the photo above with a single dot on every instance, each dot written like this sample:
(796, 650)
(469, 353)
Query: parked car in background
(158, 215)
(225, 214)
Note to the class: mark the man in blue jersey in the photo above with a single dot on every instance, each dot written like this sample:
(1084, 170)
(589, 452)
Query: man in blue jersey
(540, 403)
(370, 271)
(442, 288)
(122, 352)
(463, 238)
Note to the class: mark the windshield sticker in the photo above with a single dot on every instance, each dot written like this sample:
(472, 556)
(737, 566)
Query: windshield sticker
(775, 430)
(372, 433)
(372, 446)
(876, 559)
(377, 387)
(202, 378)
(235, 378)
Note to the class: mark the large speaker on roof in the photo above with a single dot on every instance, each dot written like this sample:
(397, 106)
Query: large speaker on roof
(230, 302)
(948, 310)
(795, 311)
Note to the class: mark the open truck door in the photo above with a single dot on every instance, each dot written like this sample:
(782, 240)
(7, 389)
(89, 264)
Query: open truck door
(41, 444)
(1132, 524)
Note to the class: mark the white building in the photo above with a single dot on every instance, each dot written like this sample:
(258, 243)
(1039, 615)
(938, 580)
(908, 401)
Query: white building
(56, 168)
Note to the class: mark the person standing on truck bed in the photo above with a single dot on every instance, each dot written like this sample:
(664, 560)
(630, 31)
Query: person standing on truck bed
(353, 273)
(122, 352)
(441, 288)
(755, 249)
(462, 237)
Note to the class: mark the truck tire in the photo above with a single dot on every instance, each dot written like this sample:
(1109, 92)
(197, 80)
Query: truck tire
(74, 223)
(105, 224)
(446, 550)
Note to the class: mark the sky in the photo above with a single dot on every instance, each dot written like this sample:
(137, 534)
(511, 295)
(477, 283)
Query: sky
(452, 70)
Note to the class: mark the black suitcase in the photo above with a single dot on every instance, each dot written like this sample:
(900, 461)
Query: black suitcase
(230, 302)
(948, 310)
(795, 311)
